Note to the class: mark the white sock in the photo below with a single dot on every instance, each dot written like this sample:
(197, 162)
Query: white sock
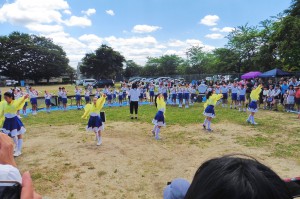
(252, 119)
(16, 142)
(154, 128)
(208, 124)
(249, 118)
(157, 133)
(205, 122)
(20, 144)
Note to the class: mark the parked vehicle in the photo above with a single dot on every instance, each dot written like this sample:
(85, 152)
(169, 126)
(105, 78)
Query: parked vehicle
(87, 82)
(104, 82)
(79, 82)
(11, 82)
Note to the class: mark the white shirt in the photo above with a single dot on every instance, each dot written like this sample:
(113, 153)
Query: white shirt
(33, 94)
(63, 94)
(48, 96)
(9, 173)
(202, 88)
(134, 95)
(78, 92)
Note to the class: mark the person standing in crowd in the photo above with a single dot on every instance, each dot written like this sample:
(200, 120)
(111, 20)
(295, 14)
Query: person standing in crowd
(242, 98)
(64, 98)
(87, 96)
(180, 96)
(59, 97)
(186, 94)
(276, 96)
(290, 98)
(78, 97)
(174, 95)
(234, 95)
(151, 93)
(33, 100)
(97, 93)
(284, 87)
(134, 93)
(120, 97)
(48, 97)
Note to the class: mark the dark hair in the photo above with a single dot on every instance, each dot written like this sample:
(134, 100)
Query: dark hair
(134, 86)
(235, 178)
(209, 94)
(10, 94)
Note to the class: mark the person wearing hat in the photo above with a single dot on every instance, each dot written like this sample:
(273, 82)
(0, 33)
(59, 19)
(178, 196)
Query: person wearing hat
(176, 189)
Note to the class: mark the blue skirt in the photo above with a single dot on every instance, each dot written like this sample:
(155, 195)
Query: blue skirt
(64, 100)
(59, 99)
(225, 96)
(109, 97)
(33, 101)
(209, 111)
(234, 96)
(151, 93)
(87, 99)
(114, 96)
(95, 124)
(141, 96)
(186, 96)
(159, 119)
(78, 98)
(124, 95)
(253, 107)
(120, 97)
(13, 126)
(48, 102)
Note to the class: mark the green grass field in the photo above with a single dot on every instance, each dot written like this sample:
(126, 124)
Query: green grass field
(60, 154)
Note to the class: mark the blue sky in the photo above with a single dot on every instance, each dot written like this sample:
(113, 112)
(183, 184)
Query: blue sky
(136, 28)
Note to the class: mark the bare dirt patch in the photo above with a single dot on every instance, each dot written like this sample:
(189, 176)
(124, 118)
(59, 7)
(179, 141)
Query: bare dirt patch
(66, 163)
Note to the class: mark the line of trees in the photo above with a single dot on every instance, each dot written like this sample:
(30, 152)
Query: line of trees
(274, 43)
(24, 56)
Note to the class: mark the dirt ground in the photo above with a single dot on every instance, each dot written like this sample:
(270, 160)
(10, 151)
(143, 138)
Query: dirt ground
(66, 163)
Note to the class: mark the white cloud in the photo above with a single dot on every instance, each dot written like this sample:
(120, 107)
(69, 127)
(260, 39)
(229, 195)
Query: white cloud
(89, 12)
(176, 43)
(210, 20)
(33, 11)
(44, 28)
(68, 12)
(78, 21)
(214, 36)
(225, 29)
(145, 29)
(110, 12)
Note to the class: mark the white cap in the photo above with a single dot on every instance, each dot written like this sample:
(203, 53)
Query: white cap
(9, 173)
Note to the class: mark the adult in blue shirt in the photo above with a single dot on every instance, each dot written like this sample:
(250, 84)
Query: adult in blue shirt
(284, 87)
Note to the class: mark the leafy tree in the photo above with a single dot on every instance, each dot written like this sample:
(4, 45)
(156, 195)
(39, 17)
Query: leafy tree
(132, 69)
(105, 62)
(226, 60)
(200, 61)
(30, 56)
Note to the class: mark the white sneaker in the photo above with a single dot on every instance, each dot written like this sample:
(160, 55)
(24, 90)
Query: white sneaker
(17, 153)
(254, 123)
(99, 142)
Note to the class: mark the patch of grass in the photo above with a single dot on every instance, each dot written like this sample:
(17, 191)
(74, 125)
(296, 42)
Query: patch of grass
(255, 141)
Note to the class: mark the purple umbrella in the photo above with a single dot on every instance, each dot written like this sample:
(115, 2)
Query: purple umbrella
(251, 75)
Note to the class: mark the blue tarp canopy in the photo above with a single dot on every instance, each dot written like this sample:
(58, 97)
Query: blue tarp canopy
(275, 73)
